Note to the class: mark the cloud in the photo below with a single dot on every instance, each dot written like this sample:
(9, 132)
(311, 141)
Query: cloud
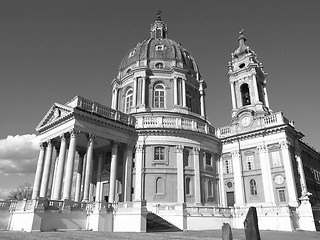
(19, 154)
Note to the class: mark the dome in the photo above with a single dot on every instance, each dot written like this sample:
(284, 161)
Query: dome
(158, 52)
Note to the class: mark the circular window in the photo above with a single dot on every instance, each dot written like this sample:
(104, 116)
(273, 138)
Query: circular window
(242, 65)
(229, 184)
(159, 65)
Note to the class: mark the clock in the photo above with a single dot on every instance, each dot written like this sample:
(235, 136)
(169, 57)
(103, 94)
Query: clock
(245, 121)
(278, 179)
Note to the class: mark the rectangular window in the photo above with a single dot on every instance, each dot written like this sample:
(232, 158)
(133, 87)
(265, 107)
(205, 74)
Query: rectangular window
(159, 99)
(159, 153)
(276, 161)
(250, 163)
(227, 166)
(282, 195)
(208, 159)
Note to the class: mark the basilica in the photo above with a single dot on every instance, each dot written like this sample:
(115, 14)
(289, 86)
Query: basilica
(153, 161)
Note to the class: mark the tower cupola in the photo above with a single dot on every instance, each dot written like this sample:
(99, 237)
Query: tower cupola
(247, 81)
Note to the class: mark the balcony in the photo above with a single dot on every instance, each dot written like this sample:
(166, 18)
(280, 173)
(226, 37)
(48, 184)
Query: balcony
(260, 123)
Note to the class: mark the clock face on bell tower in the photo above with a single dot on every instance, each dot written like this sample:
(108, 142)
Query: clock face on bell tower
(245, 121)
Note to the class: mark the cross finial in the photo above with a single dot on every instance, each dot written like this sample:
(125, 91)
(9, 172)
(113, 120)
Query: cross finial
(241, 30)
(159, 15)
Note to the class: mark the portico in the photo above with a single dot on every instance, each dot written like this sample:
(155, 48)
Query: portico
(84, 135)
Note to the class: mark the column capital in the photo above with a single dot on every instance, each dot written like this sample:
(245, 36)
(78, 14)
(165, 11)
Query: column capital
(90, 137)
(139, 147)
(196, 150)
(49, 143)
(63, 137)
(235, 154)
(262, 148)
(284, 144)
(180, 148)
(73, 133)
(43, 145)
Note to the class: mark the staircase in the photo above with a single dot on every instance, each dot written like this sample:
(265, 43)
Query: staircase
(158, 224)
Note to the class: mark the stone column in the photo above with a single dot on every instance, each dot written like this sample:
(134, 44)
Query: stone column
(238, 181)
(143, 95)
(88, 169)
(46, 170)
(303, 182)
(266, 175)
(183, 92)
(79, 177)
(197, 182)
(128, 173)
(291, 185)
(255, 89)
(69, 165)
(98, 185)
(138, 195)
(180, 174)
(113, 172)
(39, 171)
(266, 99)
(60, 169)
(135, 92)
(202, 104)
(233, 96)
(116, 98)
(175, 91)
(221, 184)
(54, 173)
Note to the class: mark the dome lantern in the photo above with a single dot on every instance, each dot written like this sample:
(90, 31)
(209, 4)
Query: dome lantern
(158, 28)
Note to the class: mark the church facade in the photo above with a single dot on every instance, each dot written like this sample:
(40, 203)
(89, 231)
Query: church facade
(154, 160)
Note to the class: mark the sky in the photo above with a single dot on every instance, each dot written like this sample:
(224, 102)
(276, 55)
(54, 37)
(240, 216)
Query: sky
(51, 51)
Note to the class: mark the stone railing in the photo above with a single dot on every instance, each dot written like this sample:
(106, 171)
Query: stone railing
(264, 122)
(101, 110)
(207, 210)
(265, 210)
(178, 122)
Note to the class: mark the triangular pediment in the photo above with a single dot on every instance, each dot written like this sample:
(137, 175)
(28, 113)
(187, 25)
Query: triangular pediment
(56, 112)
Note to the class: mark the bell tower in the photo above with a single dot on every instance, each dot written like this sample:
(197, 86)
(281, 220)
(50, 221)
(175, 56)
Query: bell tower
(247, 82)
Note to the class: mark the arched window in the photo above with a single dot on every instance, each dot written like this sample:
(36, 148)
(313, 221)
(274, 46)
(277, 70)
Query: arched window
(210, 189)
(159, 185)
(159, 96)
(128, 100)
(253, 187)
(245, 94)
(189, 100)
(188, 180)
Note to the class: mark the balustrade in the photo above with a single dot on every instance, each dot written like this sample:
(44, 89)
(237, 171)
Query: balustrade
(174, 122)
(102, 110)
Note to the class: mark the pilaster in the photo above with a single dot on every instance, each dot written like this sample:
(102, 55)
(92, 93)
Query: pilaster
(180, 174)
(266, 175)
(238, 178)
(197, 181)
(291, 185)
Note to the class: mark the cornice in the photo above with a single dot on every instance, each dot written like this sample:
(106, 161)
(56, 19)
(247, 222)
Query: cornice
(175, 132)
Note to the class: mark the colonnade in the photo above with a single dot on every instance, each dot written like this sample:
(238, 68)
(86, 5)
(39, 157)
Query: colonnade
(62, 178)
